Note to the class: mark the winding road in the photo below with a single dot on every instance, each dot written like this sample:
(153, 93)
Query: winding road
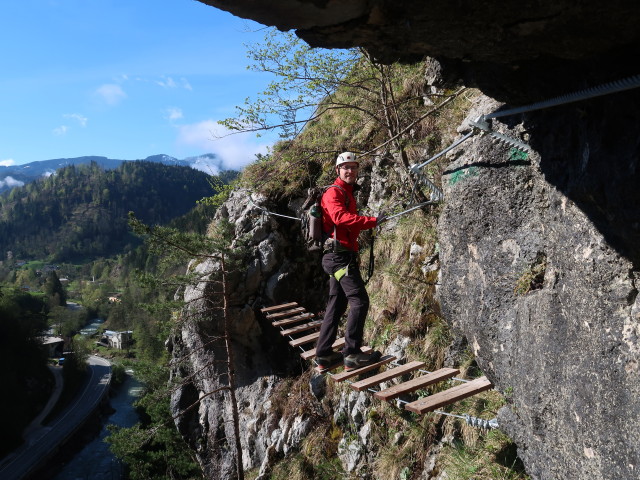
(40, 443)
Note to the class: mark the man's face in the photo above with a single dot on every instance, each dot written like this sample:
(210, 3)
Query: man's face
(348, 172)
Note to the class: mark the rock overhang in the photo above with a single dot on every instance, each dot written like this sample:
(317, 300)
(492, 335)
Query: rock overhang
(514, 51)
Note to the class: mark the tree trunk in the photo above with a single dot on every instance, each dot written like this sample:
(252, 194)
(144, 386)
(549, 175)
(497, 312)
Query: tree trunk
(231, 370)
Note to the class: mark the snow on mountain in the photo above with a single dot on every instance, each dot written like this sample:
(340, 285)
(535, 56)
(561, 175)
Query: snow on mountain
(12, 176)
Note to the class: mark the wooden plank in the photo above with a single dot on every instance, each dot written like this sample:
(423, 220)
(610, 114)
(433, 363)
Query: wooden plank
(306, 339)
(446, 397)
(286, 313)
(297, 318)
(386, 376)
(339, 377)
(416, 384)
(340, 364)
(309, 354)
(279, 307)
(301, 328)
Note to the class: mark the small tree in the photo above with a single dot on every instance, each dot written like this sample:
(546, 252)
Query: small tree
(303, 78)
(54, 290)
(367, 103)
(67, 322)
(174, 246)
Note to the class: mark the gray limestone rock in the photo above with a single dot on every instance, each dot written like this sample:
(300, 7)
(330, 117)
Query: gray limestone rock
(539, 272)
(318, 386)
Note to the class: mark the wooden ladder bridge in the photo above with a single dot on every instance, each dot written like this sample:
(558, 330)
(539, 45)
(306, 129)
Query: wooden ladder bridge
(295, 322)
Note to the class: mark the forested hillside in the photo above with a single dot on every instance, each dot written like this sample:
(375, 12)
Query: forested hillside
(81, 211)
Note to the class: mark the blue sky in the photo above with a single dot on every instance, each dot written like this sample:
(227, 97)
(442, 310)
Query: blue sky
(124, 79)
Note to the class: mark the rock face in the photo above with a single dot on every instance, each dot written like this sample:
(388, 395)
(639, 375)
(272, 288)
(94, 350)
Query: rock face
(268, 275)
(541, 275)
(514, 51)
(540, 253)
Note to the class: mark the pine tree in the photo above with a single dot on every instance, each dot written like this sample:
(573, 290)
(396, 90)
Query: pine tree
(54, 290)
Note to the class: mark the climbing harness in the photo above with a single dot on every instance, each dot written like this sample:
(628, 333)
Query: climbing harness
(481, 124)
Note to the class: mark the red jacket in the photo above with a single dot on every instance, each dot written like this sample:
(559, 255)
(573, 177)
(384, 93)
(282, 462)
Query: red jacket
(346, 220)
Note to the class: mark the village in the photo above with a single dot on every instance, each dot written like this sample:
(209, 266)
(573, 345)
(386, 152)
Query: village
(57, 340)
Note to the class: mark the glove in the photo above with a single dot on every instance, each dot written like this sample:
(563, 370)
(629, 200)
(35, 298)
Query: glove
(380, 219)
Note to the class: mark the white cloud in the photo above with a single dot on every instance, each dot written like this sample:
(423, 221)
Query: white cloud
(185, 84)
(48, 173)
(111, 93)
(167, 82)
(61, 130)
(7, 163)
(81, 119)
(10, 182)
(236, 151)
(174, 113)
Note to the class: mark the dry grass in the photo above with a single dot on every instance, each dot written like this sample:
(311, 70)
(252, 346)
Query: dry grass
(491, 457)
(402, 296)
(292, 397)
(405, 446)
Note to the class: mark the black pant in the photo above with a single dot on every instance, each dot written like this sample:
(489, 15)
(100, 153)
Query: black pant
(350, 290)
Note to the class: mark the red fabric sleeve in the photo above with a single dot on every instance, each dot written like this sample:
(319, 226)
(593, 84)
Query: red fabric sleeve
(334, 203)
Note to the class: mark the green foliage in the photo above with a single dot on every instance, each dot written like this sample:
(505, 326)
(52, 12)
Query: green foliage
(299, 467)
(303, 77)
(492, 457)
(146, 311)
(532, 277)
(24, 372)
(223, 189)
(81, 211)
(344, 99)
(81, 347)
(67, 322)
(153, 449)
(53, 289)
(118, 374)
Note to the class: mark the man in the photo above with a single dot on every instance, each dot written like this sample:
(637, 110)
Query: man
(341, 222)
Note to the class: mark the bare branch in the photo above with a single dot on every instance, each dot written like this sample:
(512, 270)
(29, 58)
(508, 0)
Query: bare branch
(418, 120)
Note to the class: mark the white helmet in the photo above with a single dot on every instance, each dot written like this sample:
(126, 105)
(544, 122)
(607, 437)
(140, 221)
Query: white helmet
(346, 157)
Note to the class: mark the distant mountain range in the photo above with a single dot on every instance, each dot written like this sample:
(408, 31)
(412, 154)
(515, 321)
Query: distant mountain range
(81, 212)
(18, 175)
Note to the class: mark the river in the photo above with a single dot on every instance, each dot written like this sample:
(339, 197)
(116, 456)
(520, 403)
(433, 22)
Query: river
(95, 461)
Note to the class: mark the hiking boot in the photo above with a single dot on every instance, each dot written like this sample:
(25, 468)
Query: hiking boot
(359, 360)
(326, 362)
